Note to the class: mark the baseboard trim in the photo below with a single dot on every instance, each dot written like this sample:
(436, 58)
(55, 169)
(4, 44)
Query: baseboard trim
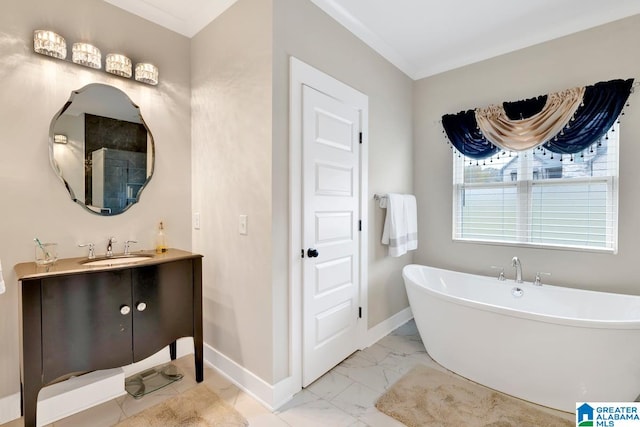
(271, 396)
(77, 394)
(55, 405)
(387, 326)
(10, 408)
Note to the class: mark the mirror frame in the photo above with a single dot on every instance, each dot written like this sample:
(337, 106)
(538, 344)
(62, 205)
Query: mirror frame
(57, 169)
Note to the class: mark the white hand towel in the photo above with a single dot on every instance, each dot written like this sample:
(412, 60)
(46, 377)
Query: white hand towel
(411, 214)
(2, 287)
(395, 226)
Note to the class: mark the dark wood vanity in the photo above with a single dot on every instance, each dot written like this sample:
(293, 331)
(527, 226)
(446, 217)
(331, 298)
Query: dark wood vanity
(76, 319)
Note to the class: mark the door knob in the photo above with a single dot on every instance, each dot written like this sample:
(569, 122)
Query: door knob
(141, 306)
(312, 253)
(125, 309)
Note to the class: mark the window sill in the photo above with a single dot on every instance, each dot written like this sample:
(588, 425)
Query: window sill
(538, 246)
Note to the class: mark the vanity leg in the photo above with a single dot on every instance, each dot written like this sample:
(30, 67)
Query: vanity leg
(173, 350)
(197, 319)
(198, 360)
(30, 404)
(31, 353)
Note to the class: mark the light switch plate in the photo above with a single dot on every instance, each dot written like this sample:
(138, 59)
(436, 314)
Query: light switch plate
(196, 220)
(243, 226)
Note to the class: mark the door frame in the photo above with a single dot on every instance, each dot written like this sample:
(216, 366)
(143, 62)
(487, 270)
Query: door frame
(304, 74)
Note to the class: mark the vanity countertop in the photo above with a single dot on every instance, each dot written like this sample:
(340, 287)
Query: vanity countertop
(30, 270)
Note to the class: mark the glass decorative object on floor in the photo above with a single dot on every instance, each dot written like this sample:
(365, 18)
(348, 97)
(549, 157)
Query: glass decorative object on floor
(118, 64)
(87, 55)
(50, 44)
(151, 380)
(147, 73)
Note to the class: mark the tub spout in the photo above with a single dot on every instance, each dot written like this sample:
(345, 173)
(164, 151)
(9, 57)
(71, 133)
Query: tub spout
(515, 262)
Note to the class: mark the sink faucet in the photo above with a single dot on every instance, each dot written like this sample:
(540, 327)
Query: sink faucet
(92, 252)
(501, 275)
(538, 280)
(112, 240)
(515, 262)
(126, 246)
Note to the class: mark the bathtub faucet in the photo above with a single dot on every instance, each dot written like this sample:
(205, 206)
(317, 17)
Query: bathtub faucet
(515, 262)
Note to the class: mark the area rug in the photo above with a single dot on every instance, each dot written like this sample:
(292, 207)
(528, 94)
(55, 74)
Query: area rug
(198, 407)
(428, 397)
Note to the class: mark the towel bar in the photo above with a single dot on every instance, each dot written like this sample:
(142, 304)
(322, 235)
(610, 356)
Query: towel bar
(382, 200)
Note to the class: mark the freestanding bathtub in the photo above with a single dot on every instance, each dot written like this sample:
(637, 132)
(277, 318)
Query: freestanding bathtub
(549, 345)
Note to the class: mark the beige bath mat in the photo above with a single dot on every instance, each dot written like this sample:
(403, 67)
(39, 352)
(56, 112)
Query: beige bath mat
(198, 407)
(428, 397)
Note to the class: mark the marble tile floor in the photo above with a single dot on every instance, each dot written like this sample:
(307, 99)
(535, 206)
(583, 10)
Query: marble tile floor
(343, 397)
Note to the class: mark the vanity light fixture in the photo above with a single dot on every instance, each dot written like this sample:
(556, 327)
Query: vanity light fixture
(49, 43)
(87, 55)
(147, 73)
(118, 64)
(60, 139)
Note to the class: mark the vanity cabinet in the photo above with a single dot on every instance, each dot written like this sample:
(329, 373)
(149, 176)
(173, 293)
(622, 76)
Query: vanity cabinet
(82, 327)
(80, 321)
(167, 312)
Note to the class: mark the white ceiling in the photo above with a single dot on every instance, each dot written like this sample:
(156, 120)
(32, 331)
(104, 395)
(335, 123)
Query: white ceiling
(185, 17)
(422, 37)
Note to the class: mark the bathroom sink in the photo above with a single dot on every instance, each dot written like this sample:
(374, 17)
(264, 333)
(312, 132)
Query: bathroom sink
(116, 260)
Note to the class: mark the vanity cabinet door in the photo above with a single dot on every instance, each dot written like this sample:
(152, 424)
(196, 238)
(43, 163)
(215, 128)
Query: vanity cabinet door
(162, 306)
(84, 325)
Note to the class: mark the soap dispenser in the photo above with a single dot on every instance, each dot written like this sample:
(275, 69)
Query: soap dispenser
(161, 239)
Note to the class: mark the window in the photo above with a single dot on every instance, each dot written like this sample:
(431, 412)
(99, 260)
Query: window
(539, 198)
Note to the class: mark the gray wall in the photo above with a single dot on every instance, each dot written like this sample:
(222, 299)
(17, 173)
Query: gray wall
(34, 201)
(231, 119)
(602, 53)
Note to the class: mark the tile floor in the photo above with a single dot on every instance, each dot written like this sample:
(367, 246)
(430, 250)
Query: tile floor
(344, 397)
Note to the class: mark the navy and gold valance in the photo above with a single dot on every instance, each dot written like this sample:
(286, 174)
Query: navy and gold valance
(563, 122)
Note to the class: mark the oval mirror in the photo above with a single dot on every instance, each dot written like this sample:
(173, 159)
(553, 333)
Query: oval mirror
(101, 149)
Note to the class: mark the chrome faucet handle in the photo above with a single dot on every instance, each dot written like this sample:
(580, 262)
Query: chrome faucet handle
(126, 246)
(501, 275)
(92, 251)
(112, 240)
(538, 279)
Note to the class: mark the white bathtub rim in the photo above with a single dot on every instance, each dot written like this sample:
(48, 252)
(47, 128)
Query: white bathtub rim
(538, 317)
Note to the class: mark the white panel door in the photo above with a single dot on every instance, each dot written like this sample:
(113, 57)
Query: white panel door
(331, 161)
